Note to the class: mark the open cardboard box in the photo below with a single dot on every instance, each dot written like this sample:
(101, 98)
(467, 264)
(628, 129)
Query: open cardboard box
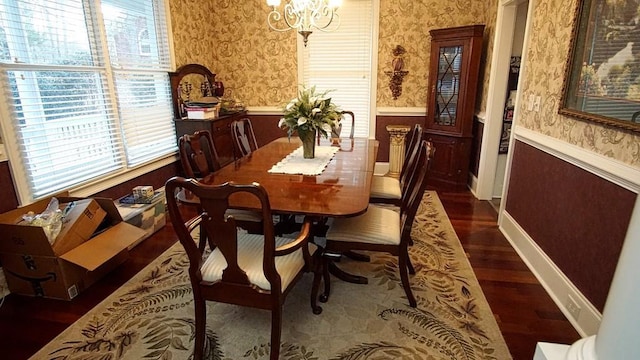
(34, 267)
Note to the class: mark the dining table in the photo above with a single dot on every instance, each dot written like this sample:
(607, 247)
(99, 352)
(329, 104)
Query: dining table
(341, 189)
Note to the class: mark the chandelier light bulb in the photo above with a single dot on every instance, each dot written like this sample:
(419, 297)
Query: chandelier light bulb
(273, 2)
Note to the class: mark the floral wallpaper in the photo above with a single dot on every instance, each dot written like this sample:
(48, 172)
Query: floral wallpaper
(258, 66)
(544, 75)
(407, 23)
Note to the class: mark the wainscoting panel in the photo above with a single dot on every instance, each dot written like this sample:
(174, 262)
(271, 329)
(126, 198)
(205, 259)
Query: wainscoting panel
(577, 218)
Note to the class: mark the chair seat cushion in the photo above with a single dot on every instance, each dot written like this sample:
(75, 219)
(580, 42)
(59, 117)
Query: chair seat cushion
(377, 226)
(250, 255)
(385, 187)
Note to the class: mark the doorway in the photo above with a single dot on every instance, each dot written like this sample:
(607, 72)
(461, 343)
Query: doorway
(509, 44)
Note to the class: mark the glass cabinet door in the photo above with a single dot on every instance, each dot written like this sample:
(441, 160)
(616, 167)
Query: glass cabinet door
(448, 85)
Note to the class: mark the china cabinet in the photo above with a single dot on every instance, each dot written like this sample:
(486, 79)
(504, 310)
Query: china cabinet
(453, 82)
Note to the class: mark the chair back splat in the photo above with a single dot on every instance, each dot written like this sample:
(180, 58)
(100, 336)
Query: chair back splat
(253, 270)
(244, 139)
(198, 155)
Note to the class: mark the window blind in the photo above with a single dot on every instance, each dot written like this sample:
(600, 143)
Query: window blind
(341, 61)
(85, 99)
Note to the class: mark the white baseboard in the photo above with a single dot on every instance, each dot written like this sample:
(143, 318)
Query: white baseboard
(557, 285)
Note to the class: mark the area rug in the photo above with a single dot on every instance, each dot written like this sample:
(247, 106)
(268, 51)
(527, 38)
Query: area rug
(151, 317)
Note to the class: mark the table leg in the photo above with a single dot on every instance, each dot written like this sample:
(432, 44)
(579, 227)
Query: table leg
(345, 276)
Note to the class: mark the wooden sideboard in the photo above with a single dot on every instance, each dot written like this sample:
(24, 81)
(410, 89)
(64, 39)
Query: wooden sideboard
(220, 131)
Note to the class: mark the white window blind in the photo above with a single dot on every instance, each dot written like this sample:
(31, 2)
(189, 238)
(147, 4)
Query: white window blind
(341, 61)
(86, 100)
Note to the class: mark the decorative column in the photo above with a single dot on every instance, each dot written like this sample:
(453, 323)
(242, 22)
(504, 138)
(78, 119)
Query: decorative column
(396, 148)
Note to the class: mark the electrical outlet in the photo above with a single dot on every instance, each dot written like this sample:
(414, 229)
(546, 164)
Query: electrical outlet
(573, 308)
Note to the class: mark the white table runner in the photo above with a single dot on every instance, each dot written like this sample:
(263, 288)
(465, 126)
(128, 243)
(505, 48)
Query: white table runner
(295, 163)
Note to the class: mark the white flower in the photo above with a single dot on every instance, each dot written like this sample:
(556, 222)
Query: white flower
(281, 122)
(291, 104)
(302, 120)
(315, 111)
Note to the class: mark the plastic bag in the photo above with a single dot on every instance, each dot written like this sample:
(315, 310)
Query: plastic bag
(50, 220)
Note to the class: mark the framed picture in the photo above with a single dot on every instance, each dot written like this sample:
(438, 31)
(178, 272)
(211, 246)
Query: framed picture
(602, 80)
(504, 139)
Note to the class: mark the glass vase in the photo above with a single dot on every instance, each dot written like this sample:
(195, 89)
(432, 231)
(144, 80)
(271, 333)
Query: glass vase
(308, 139)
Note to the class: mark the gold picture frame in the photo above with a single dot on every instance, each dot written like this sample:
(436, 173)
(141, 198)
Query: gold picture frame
(602, 71)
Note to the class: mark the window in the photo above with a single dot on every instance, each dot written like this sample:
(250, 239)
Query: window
(84, 102)
(342, 61)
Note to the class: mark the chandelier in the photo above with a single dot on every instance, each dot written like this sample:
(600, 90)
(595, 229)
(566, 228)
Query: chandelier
(304, 16)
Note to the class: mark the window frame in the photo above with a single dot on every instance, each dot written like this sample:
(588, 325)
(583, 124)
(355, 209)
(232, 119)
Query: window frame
(125, 172)
(375, 4)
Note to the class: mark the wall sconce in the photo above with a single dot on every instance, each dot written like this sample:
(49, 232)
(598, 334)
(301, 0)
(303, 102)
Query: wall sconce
(397, 75)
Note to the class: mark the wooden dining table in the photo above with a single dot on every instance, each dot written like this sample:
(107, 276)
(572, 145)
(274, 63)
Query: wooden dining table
(341, 190)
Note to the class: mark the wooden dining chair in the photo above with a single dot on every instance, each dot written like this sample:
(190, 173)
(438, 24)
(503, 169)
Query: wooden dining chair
(353, 121)
(198, 155)
(199, 159)
(388, 190)
(250, 270)
(244, 139)
(381, 228)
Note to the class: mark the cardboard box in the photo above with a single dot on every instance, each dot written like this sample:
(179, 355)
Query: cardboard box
(148, 217)
(82, 219)
(32, 267)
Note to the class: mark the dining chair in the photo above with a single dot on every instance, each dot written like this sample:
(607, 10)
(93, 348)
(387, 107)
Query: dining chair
(244, 139)
(199, 159)
(382, 229)
(388, 190)
(198, 155)
(244, 269)
(353, 121)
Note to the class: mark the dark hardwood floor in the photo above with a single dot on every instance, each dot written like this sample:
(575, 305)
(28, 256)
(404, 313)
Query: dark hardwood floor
(524, 311)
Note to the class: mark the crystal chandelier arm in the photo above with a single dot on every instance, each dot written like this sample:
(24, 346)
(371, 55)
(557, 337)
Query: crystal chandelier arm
(333, 19)
(304, 16)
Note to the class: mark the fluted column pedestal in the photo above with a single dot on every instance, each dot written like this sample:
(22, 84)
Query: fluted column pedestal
(397, 134)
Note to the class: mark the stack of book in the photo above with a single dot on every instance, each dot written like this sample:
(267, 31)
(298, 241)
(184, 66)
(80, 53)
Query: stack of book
(205, 108)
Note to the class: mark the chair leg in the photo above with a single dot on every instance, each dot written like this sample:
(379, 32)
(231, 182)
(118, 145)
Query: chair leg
(201, 325)
(412, 270)
(276, 329)
(403, 265)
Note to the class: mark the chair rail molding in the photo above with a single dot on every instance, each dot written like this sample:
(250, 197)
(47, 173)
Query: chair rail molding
(615, 171)
(401, 111)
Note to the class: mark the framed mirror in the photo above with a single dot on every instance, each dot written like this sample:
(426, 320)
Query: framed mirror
(602, 80)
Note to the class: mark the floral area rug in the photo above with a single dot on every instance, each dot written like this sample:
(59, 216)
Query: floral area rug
(151, 317)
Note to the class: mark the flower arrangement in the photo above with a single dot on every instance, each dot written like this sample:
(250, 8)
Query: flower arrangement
(311, 111)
